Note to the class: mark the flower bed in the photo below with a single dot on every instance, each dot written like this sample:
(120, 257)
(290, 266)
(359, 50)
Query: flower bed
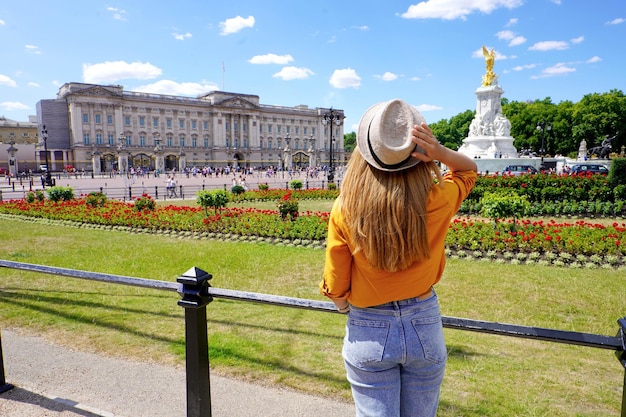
(580, 242)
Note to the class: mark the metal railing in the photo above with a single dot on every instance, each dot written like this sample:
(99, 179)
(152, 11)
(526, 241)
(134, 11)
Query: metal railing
(196, 293)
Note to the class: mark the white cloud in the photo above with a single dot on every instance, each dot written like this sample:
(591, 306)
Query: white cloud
(235, 24)
(555, 70)
(344, 78)
(511, 37)
(33, 49)
(506, 35)
(617, 21)
(293, 73)
(428, 107)
(13, 105)
(388, 76)
(362, 27)
(2, 22)
(456, 9)
(415, 78)
(579, 39)
(181, 37)
(512, 22)
(518, 40)
(524, 67)
(109, 72)
(271, 59)
(593, 60)
(32, 84)
(118, 14)
(174, 88)
(549, 46)
(4, 80)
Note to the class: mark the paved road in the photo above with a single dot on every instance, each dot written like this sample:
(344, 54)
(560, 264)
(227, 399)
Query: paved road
(122, 187)
(56, 381)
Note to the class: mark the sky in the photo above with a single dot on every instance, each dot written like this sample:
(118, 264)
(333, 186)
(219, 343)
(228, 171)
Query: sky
(347, 55)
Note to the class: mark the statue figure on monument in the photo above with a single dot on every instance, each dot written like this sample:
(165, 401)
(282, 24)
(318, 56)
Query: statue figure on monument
(476, 128)
(502, 125)
(490, 76)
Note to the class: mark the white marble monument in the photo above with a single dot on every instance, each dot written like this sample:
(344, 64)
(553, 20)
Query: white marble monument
(490, 131)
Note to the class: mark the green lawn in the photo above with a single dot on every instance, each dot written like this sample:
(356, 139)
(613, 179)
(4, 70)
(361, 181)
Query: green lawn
(486, 376)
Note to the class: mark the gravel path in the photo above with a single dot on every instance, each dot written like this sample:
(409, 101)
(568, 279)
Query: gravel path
(52, 380)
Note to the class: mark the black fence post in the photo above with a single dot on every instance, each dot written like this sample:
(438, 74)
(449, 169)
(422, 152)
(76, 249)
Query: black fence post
(4, 387)
(621, 355)
(156, 192)
(130, 193)
(181, 192)
(195, 296)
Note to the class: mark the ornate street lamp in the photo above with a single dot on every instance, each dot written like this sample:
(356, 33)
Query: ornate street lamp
(328, 119)
(44, 137)
(542, 127)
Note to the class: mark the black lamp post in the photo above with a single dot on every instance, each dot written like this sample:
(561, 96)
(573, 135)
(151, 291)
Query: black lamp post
(328, 119)
(543, 126)
(44, 136)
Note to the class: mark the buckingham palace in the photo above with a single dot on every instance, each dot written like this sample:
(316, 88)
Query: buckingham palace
(102, 128)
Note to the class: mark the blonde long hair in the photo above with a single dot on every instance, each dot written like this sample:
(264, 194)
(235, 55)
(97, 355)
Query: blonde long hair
(385, 212)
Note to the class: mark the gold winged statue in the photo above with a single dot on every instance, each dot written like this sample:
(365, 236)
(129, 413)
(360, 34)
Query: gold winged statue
(490, 76)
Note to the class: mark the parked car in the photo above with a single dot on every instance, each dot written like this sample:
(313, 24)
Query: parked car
(519, 170)
(589, 169)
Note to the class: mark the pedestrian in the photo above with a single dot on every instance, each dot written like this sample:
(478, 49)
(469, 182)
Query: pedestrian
(384, 254)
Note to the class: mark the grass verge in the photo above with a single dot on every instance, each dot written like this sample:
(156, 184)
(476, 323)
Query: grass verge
(486, 375)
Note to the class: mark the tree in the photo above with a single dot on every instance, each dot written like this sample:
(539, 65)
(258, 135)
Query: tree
(349, 141)
(452, 132)
(598, 115)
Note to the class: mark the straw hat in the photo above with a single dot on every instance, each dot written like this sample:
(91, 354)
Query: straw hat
(384, 135)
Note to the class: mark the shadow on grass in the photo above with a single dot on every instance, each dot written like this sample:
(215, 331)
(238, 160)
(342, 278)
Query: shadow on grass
(43, 303)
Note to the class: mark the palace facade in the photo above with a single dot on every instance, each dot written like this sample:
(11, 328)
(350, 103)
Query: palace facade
(101, 128)
(21, 139)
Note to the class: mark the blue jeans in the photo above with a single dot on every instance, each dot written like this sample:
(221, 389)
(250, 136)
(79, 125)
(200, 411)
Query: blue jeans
(395, 357)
